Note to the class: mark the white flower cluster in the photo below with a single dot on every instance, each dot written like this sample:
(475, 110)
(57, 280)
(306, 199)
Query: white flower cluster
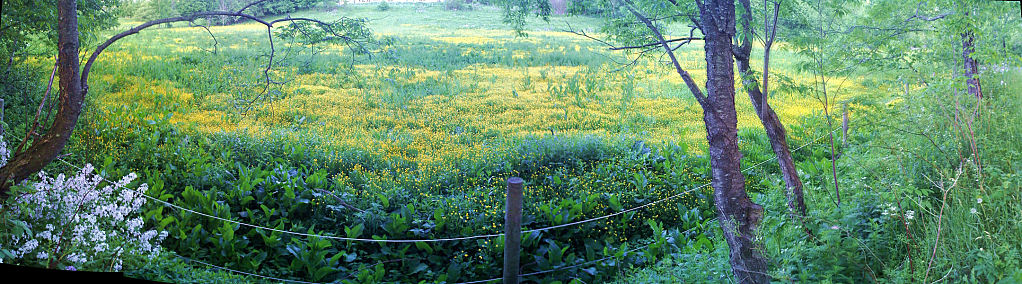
(891, 211)
(4, 153)
(79, 226)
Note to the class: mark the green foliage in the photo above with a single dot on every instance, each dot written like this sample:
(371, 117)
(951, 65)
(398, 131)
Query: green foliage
(28, 34)
(515, 12)
(157, 9)
(456, 5)
(172, 269)
(31, 22)
(187, 7)
(924, 162)
(163, 8)
(903, 149)
(588, 7)
(908, 192)
(383, 6)
(273, 183)
(22, 88)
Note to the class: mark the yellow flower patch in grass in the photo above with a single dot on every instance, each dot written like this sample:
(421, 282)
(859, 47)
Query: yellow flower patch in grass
(465, 39)
(432, 115)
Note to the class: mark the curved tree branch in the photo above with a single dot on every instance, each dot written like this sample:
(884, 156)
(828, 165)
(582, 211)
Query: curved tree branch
(44, 150)
(139, 28)
(683, 39)
(696, 91)
(74, 81)
(216, 43)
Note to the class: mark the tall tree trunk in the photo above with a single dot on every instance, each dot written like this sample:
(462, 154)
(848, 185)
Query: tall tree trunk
(737, 214)
(771, 123)
(971, 66)
(45, 149)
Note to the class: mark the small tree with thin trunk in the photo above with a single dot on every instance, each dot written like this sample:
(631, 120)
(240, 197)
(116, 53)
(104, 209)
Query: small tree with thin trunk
(771, 123)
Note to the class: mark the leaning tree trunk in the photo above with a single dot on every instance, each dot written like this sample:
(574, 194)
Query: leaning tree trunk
(45, 149)
(737, 214)
(771, 123)
(779, 143)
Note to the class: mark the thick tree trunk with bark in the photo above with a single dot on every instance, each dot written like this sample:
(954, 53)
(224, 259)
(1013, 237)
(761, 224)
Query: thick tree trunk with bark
(45, 149)
(737, 214)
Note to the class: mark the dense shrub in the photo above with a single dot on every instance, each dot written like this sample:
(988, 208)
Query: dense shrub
(456, 5)
(75, 224)
(923, 207)
(587, 7)
(159, 8)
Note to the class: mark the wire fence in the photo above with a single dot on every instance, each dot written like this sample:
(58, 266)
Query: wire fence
(441, 239)
(636, 208)
(168, 204)
(638, 248)
(615, 255)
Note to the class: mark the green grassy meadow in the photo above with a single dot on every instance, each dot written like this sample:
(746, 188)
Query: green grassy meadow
(416, 139)
(420, 135)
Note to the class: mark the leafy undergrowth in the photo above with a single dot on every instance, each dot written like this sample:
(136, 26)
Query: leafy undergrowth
(911, 207)
(417, 142)
(414, 143)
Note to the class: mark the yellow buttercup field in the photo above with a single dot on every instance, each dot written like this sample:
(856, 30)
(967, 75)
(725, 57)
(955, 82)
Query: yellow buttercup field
(484, 91)
(374, 141)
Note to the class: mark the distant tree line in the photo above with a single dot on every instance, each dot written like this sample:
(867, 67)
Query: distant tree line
(156, 9)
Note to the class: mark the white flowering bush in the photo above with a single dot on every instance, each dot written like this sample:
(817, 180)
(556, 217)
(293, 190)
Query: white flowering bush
(3, 152)
(74, 224)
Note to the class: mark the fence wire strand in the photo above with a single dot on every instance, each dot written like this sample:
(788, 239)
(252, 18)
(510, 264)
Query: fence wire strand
(647, 245)
(642, 247)
(440, 239)
(433, 240)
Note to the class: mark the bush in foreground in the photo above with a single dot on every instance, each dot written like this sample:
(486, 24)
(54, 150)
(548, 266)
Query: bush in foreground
(74, 224)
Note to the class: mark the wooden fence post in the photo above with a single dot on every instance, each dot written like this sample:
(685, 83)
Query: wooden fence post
(512, 229)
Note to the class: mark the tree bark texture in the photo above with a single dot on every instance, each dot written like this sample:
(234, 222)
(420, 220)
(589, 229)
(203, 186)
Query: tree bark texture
(44, 150)
(737, 214)
(779, 143)
(771, 123)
